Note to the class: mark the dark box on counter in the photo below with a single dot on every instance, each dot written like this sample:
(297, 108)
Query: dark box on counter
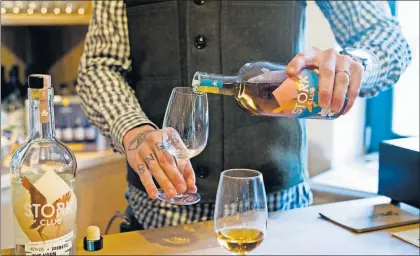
(399, 170)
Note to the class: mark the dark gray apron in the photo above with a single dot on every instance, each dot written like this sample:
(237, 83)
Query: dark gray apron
(171, 40)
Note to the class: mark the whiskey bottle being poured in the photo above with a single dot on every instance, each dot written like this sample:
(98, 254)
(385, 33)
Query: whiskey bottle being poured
(264, 89)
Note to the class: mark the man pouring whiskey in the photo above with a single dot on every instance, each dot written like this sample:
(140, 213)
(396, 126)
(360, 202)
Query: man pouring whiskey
(136, 52)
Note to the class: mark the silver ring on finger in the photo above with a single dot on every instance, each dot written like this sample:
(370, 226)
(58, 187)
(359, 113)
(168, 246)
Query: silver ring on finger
(345, 71)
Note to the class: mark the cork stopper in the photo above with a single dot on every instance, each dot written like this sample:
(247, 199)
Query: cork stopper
(93, 233)
(39, 81)
(93, 240)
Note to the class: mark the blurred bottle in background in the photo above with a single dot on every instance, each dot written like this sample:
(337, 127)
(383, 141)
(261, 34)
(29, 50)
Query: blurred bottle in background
(79, 132)
(90, 131)
(14, 82)
(6, 89)
(68, 129)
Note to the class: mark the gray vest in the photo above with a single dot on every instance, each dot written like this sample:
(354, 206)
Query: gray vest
(171, 40)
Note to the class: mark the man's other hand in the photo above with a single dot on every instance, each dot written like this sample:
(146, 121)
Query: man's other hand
(147, 156)
(337, 75)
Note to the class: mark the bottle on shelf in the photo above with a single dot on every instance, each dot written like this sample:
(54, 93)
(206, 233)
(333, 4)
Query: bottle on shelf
(64, 90)
(58, 123)
(90, 131)
(74, 89)
(43, 172)
(15, 82)
(264, 89)
(59, 132)
(6, 89)
(68, 131)
(79, 131)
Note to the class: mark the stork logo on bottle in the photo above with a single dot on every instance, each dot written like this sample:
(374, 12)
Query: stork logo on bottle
(298, 97)
(43, 212)
(45, 209)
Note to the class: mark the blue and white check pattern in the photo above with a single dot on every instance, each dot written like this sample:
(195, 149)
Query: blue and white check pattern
(155, 213)
(111, 105)
(369, 26)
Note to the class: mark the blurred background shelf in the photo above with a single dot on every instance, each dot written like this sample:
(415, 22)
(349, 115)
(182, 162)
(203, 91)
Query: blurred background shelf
(45, 13)
(44, 20)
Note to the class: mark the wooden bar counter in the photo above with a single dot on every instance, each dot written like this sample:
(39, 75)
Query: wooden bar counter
(300, 231)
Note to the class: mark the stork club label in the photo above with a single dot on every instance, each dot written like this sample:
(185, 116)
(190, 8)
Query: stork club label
(45, 214)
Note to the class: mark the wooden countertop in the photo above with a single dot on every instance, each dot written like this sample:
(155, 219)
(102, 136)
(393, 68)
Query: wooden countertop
(299, 231)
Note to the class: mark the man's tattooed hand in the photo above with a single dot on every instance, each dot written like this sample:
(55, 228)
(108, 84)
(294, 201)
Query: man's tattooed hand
(154, 165)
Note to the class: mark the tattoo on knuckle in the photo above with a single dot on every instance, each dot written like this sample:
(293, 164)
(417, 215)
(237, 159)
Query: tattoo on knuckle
(160, 146)
(149, 159)
(141, 168)
(138, 140)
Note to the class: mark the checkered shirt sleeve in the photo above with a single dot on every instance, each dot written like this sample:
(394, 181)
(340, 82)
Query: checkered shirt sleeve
(107, 99)
(369, 26)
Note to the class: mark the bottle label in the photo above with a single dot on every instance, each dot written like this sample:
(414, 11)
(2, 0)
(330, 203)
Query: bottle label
(211, 83)
(45, 212)
(58, 246)
(44, 115)
(42, 96)
(298, 98)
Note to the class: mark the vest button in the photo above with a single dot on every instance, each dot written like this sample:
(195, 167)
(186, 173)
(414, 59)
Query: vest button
(202, 171)
(200, 42)
(199, 2)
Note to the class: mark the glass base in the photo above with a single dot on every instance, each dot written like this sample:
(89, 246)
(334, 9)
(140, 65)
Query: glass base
(180, 199)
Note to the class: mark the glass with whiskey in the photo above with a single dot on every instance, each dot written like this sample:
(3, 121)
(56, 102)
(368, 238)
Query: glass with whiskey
(241, 215)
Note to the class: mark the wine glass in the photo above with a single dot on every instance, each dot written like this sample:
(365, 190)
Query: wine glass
(240, 217)
(184, 134)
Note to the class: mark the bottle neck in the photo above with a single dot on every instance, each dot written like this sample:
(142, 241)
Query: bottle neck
(41, 114)
(215, 83)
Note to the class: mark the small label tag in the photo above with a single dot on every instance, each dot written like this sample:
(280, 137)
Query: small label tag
(58, 246)
(44, 115)
(42, 96)
(211, 83)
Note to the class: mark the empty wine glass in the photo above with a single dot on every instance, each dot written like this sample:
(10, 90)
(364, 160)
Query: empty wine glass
(185, 133)
(240, 217)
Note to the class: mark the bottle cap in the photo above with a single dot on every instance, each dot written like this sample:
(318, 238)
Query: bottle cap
(38, 81)
(93, 240)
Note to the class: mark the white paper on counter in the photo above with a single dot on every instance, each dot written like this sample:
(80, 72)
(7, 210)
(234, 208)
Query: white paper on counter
(410, 236)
